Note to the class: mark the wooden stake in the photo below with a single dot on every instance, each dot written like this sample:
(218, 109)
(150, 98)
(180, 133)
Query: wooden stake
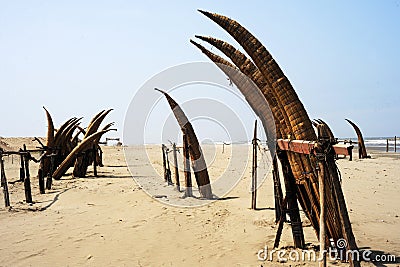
(278, 196)
(163, 148)
(169, 179)
(343, 213)
(254, 170)
(100, 157)
(41, 181)
(322, 235)
(177, 183)
(49, 180)
(291, 196)
(387, 145)
(22, 168)
(95, 160)
(41, 175)
(186, 166)
(4, 183)
(223, 146)
(27, 180)
(1, 177)
(282, 219)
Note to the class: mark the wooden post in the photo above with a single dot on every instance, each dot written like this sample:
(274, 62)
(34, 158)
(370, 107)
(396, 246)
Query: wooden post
(27, 180)
(1, 177)
(282, 219)
(41, 181)
(101, 157)
(177, 183)
(94, 160)
(49, 180)
(254, 170)
(395, 144)
(169, 179)
(291, 197)
(41, 175)
(278, 195)
(4, 183)
(322, 218)
(387, 145)
(21, 168)
(223, 146)
(186, 167)
(163, 148)
(342, 209)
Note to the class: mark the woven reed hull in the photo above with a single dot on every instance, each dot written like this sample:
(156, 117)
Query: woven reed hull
(362, 149)
(50, 129)
(249, 91)
(86, 143)
(298, 119)
(258, 106)
(45, 163)
(301, 127)
(325, 131)
(62, 144)
(271, 71)
(96, 121)
(61, 130)
(309, 204)
(283, 129)
(81, 163)
(251, 71)
(196, 155)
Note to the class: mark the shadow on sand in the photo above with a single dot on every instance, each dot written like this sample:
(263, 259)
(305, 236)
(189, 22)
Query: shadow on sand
(379, 258)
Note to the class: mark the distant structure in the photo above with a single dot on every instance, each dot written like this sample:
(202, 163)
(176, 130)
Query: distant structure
(117, 139)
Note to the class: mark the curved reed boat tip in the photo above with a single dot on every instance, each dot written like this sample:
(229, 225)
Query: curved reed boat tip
(194, 42)
(205, 13)
(159, 90)
(201, 37)
(50, 129)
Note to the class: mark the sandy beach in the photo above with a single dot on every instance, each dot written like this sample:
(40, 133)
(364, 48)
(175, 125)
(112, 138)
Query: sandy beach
(111, 221)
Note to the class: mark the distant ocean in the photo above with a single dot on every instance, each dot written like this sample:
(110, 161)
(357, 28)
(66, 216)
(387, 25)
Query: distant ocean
(378, 143)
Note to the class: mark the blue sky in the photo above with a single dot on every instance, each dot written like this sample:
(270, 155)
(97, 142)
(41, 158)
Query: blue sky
(78, 57)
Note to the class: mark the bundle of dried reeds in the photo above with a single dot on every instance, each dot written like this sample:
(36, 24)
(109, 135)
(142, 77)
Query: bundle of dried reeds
(63, 151)
(291, 121)
(196, 155)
